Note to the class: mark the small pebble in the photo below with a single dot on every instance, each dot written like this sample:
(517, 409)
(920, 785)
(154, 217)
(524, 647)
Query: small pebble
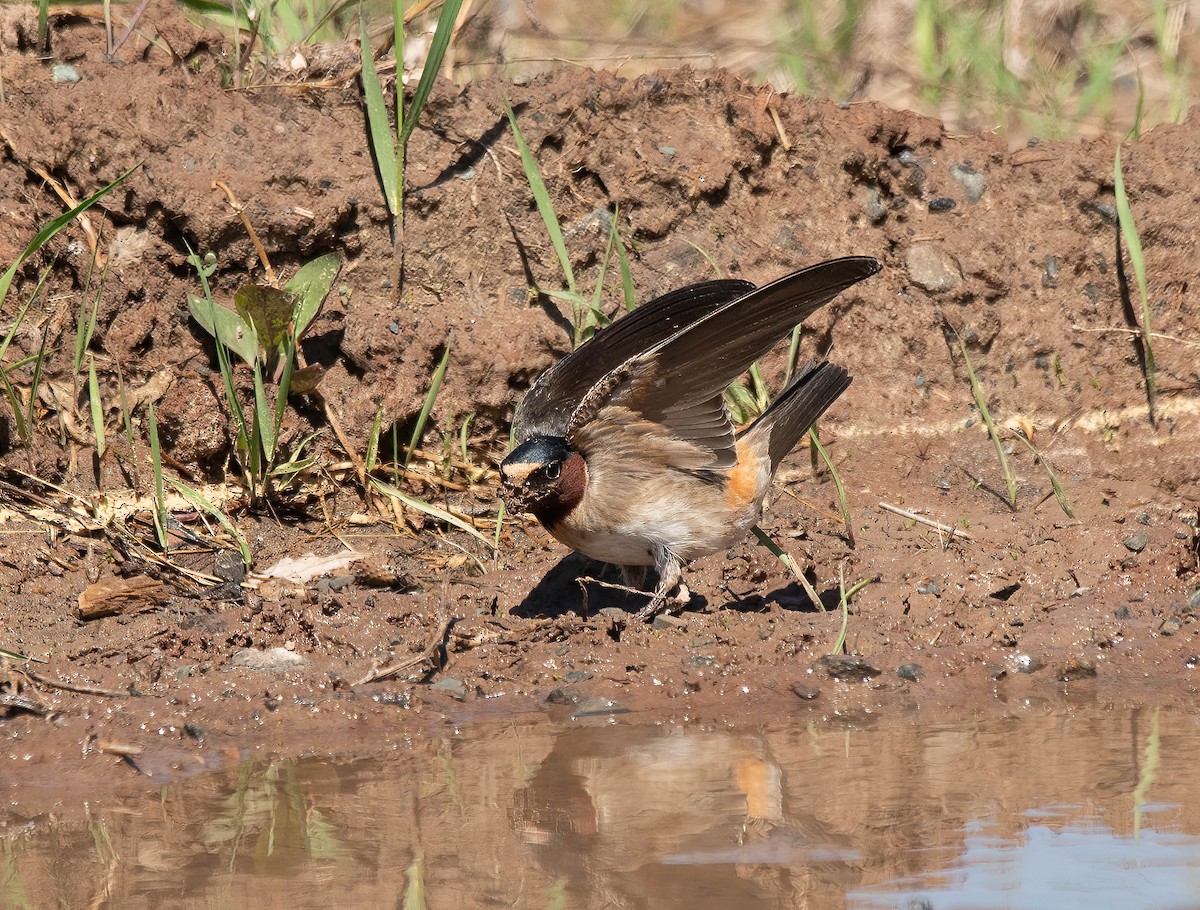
(1077, 668)
(597, 707)
(876, 209)
(567, 695)
(930, 267)
(807, 693)
(1050, 276)
(268, 660)
(970, 180)
(665, 621)
(995, 671)
(911, 672)
(65, 74)
(1135, 543)
(1025, 663)
(455, 688)
(941, 204)
(930, 587)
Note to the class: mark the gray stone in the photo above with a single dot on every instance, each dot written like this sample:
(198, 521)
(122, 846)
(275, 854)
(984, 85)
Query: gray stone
(1135, 543)
(972, 182)
(932, 268)
(455, 688)
(65, 74)
(268, 660)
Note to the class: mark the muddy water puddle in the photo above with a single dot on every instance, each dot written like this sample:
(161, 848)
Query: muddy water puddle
(1036, 807)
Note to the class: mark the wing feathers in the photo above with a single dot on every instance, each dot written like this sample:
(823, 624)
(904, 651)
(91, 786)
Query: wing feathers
(669, 362)
(548, 406)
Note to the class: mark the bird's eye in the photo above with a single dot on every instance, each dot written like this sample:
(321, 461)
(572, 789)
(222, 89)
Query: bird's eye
(553, 470)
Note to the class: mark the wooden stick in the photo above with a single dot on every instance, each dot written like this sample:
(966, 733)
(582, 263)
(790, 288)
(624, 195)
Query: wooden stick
(937, 525)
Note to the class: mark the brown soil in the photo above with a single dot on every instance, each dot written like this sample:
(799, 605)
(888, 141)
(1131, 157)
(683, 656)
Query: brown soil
(1027, 273)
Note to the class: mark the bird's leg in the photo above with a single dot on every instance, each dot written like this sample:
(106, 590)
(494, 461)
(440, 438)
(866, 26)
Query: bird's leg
(632, 576)
(671, 594)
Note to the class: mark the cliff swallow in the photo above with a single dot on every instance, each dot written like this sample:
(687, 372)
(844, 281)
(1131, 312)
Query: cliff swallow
(625, 451)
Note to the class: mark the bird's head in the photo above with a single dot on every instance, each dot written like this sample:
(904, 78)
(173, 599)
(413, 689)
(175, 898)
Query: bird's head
(543, 475)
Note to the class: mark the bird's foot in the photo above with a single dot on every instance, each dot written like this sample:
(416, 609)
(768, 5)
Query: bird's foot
(585, 580)
(663, 602)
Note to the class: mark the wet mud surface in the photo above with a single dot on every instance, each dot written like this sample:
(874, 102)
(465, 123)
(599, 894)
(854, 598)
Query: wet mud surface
(1014, 248)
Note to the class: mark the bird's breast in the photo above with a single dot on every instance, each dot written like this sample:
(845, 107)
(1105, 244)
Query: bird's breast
(626, 520)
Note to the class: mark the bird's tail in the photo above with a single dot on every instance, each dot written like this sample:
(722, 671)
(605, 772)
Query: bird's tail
(797, 408)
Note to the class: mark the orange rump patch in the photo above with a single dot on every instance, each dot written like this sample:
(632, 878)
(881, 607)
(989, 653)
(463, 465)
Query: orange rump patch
(742, 482)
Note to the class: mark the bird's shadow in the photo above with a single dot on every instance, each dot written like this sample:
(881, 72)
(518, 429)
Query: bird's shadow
(561, 591)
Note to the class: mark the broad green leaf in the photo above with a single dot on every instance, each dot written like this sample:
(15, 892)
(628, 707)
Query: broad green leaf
(226, 326)
(270, 311)
(312, 284)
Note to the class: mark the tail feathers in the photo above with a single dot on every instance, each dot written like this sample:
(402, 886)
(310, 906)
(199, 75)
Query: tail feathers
(798, 407)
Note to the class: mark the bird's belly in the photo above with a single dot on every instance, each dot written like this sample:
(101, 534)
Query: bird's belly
(654, 524)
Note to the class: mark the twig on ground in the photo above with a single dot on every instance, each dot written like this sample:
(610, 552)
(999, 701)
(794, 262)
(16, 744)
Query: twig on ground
(71, 687)
(431, 652)
(936, 525)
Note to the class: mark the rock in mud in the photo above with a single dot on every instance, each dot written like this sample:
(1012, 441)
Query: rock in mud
(1025, 663)
(455, 688)
(268, 660)
(846, 667)
(1081, 667)
(911, 672)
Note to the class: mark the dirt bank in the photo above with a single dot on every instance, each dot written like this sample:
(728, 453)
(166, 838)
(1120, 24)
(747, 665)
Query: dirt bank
(1016, 250)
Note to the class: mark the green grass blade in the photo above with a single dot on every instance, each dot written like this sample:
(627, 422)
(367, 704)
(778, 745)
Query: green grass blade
(373, 441)
(435, 386)
(43, 26)
(844, 602)
(1133, 244)
(442, 34)
(986, 415)
(293, 28)
(765, 540)
(431, 510)
(160, 502)
(263, 419)
(464, 434)
(793, 358)
(221, 13)
(245, 442)
(712, 263)
(542, 197)
(12, 329)
(626, 274)
(1059, 493)
(285, 380)
(42, 237)
(14, 403)
(844, 598)
(379, 128)
(815, 438)
(36, 382)
(194, 496)
(595, 318)
(97, 408)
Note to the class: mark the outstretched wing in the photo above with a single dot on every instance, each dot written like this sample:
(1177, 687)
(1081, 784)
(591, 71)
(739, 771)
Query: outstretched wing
(680, 382)
(554, 398)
